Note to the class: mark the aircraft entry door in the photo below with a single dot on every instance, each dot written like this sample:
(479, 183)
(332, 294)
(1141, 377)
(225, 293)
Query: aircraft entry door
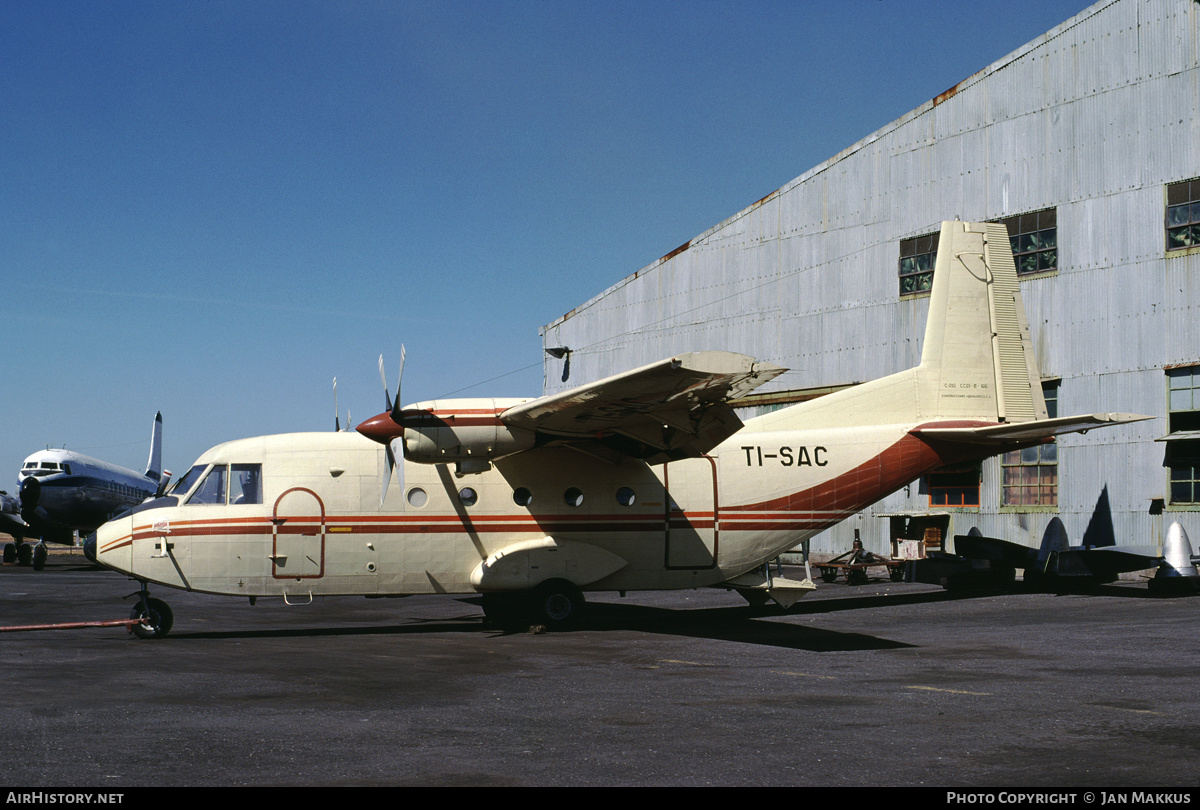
(692, 519)
(298, 532)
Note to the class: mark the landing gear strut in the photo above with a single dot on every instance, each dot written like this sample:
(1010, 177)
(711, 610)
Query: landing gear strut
(156, 614)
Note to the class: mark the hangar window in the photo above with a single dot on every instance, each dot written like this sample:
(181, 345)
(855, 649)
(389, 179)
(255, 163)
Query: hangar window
(917, 257)
(1183, 438)
(1183, 214)
(1029, 477)
(954, 487)
(1034, 241)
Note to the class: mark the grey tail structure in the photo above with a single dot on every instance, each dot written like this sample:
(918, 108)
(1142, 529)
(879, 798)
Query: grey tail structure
(154, 464)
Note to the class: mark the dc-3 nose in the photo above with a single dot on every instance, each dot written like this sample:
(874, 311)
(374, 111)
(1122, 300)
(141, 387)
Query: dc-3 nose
(381, 428)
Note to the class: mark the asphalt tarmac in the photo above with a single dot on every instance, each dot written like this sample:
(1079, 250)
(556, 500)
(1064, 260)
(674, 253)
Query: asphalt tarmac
(879, 684)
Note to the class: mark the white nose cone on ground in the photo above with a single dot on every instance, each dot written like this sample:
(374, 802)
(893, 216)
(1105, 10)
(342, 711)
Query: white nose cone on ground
(1176, 572)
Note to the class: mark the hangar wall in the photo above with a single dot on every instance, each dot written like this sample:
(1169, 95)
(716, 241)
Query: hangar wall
(1096, 121)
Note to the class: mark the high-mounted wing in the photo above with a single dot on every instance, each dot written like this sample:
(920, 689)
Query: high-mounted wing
(675, 408)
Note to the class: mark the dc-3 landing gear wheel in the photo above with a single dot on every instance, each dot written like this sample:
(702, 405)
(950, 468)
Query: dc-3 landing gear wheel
(10, 553)
(39, 556)
(557, 604)
(160, 617)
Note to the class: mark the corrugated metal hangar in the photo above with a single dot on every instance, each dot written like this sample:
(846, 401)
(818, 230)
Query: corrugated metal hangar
(1086, 144)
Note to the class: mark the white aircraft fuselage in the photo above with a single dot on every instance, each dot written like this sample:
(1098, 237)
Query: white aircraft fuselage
(319, 529)
(644, 480)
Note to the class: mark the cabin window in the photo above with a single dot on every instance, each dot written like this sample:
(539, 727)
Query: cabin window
(522, 496)
(1034, 241)
(573, 496)
(1029, 477)
(1183, 214)
(468, 496)
(917, 257)
(1183, 437)
(417, 497)
(626, 496)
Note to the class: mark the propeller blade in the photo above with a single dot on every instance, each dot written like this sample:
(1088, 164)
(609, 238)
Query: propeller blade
(396, 405)
(389, 463)
(383, 378)
(398, 460)
(337, 426)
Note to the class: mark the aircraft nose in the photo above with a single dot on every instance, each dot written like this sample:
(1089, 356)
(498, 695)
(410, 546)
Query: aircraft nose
(380, 428)
(31, 492)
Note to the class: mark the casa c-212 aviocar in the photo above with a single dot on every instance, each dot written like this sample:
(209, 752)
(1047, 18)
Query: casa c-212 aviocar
(645, 480)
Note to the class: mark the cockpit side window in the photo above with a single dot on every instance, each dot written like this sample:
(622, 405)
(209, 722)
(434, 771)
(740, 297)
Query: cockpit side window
(247, 484)
(213, 488)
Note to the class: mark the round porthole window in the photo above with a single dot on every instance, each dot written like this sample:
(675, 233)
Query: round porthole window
(522, 496)
(573, 496)
(626, 496)
(417, 497)
(468, 496)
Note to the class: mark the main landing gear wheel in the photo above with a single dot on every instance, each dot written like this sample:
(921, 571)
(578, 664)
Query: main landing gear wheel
(39, 556)
(558, 605)
(10, 553)
(160, 618)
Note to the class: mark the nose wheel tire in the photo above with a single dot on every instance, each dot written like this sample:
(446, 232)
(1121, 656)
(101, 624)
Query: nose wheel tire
(159, 619)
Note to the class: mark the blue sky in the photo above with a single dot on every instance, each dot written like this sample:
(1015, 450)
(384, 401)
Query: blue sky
(213, 208)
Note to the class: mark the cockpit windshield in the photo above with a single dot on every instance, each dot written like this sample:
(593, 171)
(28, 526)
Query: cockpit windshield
(184, 484)
(229, 484)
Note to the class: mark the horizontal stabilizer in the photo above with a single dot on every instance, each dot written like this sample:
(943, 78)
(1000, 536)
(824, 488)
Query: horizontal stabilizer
(1028, 431)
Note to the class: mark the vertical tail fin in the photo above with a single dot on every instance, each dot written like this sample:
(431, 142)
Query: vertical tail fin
(977, 360)
(154, 464)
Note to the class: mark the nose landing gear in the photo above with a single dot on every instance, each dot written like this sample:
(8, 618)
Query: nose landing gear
(155, 614)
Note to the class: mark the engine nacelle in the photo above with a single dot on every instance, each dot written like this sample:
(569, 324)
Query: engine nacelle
(457, 430)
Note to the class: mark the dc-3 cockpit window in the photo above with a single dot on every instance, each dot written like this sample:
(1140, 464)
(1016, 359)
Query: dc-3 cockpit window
(233, 484)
